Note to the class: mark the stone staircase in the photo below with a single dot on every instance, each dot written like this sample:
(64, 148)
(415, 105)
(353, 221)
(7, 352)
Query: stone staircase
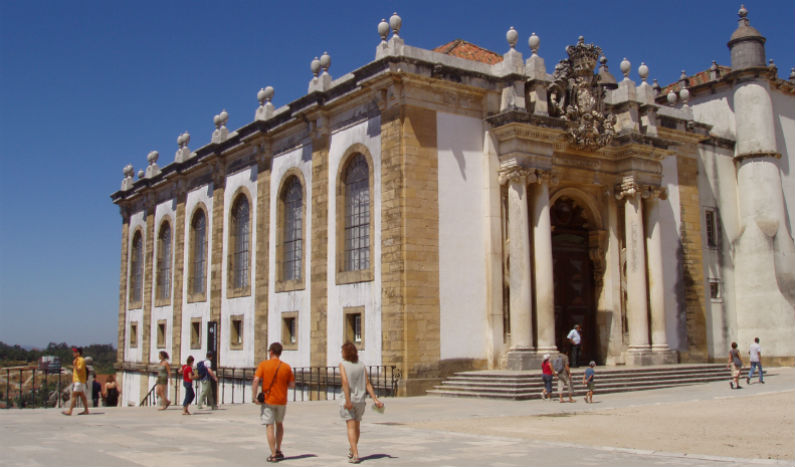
(525, 385)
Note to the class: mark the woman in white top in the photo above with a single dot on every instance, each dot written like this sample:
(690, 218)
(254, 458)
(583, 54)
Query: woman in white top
(354, 385)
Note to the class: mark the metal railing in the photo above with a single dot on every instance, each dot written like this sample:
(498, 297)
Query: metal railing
(34, 388)
(311, 383)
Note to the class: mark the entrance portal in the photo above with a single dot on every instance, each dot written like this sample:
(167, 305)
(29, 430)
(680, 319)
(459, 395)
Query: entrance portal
(573, 276)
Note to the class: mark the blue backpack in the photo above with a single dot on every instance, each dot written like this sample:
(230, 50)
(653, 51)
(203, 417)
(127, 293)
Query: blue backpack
(202, 370)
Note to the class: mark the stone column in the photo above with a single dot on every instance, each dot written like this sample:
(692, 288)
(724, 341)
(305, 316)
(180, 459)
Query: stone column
(659, 340)
(520, 305)
(637, 310)
(542, 255)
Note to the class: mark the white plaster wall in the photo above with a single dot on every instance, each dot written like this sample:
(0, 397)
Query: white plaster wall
(131, 389)
(165, 211)
(670, 215)
(244, 306)
(717, 110)
(462, 246)
(784, 110)
(366, 294)
(202, 195)
(137, 221)
(294, 300)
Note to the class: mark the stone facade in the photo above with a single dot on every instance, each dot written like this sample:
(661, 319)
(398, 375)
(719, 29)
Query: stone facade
(499, 205)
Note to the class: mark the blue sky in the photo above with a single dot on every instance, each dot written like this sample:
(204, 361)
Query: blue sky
(88, 86)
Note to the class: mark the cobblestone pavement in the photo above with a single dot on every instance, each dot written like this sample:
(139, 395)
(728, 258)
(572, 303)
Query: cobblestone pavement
(413, 431)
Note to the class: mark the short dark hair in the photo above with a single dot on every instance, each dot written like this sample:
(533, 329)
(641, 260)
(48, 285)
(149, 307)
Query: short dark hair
(190, 359)
(756, 339)
(163, 355)
(349, 352)
(209, 354)
(276, 348)
(734, 345)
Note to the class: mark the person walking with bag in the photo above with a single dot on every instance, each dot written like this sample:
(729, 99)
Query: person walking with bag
(276, 376)
(188, 375)
(354, 384)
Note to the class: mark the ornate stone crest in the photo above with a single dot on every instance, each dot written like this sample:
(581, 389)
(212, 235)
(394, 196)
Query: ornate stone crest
(577, 97)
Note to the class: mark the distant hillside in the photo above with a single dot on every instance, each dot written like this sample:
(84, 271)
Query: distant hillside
(104, 355)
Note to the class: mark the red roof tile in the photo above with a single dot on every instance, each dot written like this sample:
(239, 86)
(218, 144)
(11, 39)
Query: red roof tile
(466, 50)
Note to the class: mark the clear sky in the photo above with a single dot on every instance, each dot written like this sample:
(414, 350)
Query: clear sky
(89, 86)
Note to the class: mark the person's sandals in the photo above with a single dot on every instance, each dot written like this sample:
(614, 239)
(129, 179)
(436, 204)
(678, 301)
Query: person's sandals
(350, 454)
(354, 460)
(279, 455)
(272, 458)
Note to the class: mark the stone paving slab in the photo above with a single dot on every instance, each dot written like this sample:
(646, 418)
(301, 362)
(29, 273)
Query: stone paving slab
(233, 435)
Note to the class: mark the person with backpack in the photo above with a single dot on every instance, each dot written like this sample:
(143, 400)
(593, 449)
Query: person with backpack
(206, 374)
(561, 368)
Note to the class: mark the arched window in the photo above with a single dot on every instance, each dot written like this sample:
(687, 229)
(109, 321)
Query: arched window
(136, 267)
(198, 250)
(357, 214)
(163, 284)
(292, 229)
(240, 242)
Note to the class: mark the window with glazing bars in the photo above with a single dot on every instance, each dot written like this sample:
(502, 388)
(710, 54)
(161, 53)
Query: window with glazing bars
(357, 215)
(164, 262)
(136, 268)
(199, 239)
(293, 230)
(240, 216)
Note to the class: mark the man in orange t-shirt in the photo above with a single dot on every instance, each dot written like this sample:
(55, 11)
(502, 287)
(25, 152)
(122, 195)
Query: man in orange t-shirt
(276, 376)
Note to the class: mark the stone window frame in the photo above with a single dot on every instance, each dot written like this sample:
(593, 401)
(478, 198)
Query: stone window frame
(348, 332)
(162, 328)
(133, 334)
(164, 266)
(136, 282)
(196, 333)
(193, 296)
(715, 290)
(281, 284)
(342, 275)
(289, 338)
(711, 228)
(236, 331)
(231, 260)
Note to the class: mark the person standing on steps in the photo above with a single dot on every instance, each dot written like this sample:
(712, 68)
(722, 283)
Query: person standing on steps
(575, 341)
(735, 364)
(755, 355)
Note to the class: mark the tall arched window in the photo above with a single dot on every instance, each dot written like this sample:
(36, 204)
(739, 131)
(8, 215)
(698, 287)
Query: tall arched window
(292, 233)
(198, 250)
(357, 214)
(240, 242)
(163, 284)
(136, 267)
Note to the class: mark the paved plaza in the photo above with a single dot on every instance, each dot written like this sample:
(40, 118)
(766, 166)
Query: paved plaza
(705, 424)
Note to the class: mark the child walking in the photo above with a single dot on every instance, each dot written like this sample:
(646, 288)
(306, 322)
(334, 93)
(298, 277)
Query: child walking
(587, 379)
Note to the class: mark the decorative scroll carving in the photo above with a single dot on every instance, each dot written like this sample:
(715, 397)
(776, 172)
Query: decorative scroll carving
(576, 97)
(517, 174)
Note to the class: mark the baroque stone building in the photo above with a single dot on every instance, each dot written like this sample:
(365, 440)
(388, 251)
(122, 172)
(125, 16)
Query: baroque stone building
(455, 209)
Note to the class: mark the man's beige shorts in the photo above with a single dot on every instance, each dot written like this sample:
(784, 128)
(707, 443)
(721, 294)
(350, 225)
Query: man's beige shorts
(564, 382)
(78, 387)
(273, 414)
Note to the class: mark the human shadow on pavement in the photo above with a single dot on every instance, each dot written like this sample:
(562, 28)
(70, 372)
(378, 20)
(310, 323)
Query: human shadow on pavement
(300, 456)
(376, 456)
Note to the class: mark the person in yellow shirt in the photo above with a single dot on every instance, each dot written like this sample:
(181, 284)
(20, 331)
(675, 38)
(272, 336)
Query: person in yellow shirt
(79, 377)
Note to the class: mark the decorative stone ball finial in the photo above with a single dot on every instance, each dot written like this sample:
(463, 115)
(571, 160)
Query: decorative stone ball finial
(671, 97)
(383, 29)
(315, 66)
(395, 22)
(625, 67)
(224, 117)
(643, 71)
(265, 95)
(792, 75)
(684, 94)
(152, 157)
(512, 37)
(683, 76)
(141, 174)
(128, 171)
(742, 13)
(325, 62)
(714, 66)
(217, 121)
(534, 41)
(657, 88)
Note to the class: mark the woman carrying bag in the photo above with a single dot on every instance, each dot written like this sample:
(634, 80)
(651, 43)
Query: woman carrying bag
(355, 387)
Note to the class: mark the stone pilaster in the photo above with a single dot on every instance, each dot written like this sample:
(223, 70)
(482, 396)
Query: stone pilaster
(179, 273)
(148, 283)
(261, 256)
(542, 255)
(125, 239)
(318, 225)
(217, 247)
(410, 246)
(654, 262)
(520, 269)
